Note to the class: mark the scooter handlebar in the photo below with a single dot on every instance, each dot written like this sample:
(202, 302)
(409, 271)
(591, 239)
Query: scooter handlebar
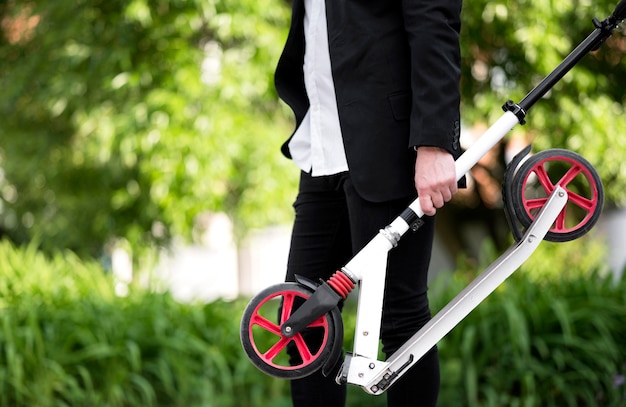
(620, 11)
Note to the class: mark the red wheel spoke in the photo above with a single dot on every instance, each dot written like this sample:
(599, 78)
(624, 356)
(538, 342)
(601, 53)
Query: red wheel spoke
(265, 324)
(318, 322)
(559, 223)
(276, 349)
(536, 203)
(570, 175)
(544, 179)
(579, 200)
(305, 353)
(288, 299)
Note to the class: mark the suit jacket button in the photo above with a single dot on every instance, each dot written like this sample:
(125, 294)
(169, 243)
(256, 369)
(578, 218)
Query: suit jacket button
(456, 135)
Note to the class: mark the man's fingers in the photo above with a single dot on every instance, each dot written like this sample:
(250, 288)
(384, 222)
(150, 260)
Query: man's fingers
(432, 200)
(446, 195)
(435, 178)
(437, 199)
(427, 205)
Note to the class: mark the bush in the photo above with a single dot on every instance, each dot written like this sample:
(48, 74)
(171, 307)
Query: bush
(66, 339)
(553, 342)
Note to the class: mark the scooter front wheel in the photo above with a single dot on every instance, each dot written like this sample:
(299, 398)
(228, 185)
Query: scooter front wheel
(272, 352)
(538, 176)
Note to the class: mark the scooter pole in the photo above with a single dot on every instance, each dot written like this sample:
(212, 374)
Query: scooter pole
(603, 30)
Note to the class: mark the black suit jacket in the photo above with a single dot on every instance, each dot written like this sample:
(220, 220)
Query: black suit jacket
(396, 69)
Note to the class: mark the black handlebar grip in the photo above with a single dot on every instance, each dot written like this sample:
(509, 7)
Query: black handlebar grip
(620, 11)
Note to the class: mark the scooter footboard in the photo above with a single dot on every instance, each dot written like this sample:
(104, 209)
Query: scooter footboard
(375, 376)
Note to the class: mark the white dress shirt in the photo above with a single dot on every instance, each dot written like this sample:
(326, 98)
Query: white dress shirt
(317, 144)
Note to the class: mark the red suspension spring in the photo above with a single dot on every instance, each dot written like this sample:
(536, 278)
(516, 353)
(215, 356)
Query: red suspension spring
(341, 283)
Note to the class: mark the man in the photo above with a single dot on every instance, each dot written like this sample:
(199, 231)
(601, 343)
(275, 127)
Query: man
(374, 86)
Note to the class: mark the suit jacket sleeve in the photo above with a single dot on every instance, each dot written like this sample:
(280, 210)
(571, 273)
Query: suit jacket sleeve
(433, 33)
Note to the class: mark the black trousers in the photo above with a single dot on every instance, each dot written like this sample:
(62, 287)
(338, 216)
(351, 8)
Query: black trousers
(332, 223)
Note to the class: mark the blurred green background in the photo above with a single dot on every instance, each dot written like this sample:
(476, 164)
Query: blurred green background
(123, 122)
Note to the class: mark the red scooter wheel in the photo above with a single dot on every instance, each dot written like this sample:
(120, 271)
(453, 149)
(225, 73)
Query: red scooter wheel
(273, 353)
(537, 178)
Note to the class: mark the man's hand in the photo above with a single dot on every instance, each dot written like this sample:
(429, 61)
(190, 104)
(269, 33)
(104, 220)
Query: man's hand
(435, 178)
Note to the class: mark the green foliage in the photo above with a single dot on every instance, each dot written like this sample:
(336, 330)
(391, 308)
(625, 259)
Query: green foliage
(127, 119)
(66, 339)
(567, 261)
(550, 261)
(537, 341)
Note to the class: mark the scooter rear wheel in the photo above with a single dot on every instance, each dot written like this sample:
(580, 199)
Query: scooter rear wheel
(537, 178)
(267, 347)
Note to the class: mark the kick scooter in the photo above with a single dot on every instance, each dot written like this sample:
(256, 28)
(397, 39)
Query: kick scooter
(543, 200)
